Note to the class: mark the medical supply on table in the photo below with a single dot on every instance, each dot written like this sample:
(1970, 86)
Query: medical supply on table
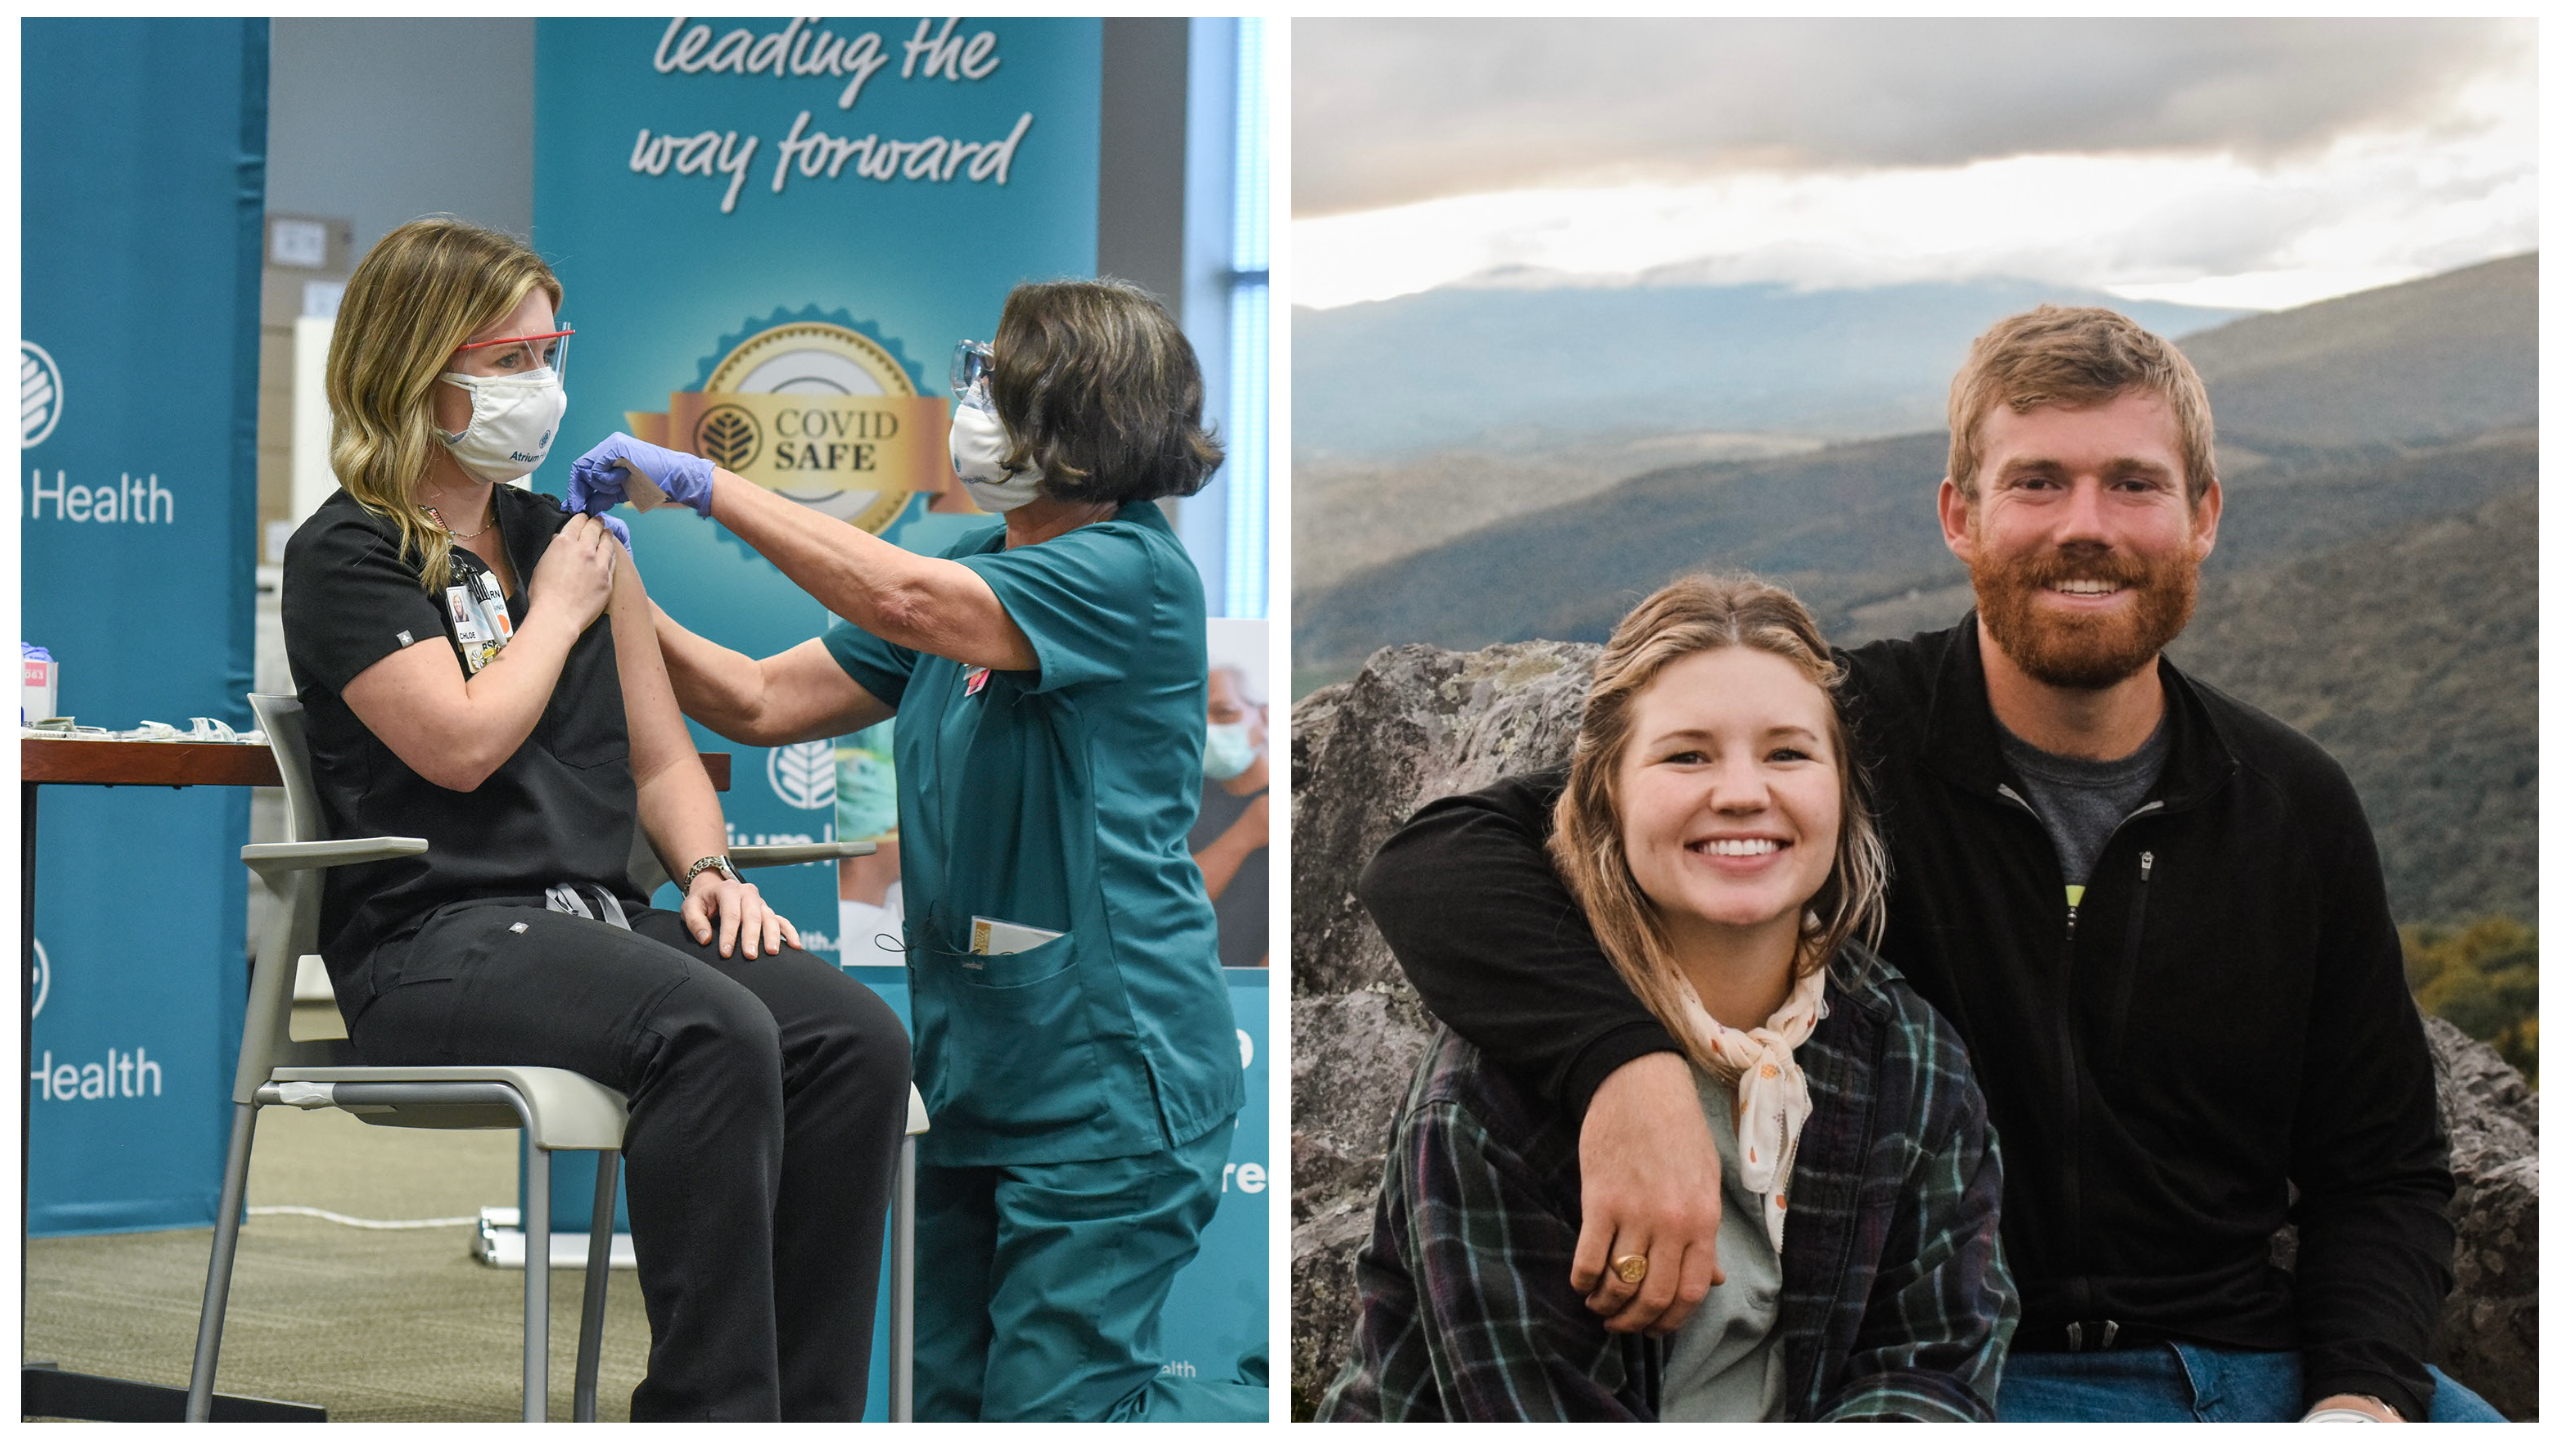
(201, 730)
(39, 683)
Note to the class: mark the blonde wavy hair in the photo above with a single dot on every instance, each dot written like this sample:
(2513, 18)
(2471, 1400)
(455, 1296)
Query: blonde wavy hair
(413, 300)
(1686, 617)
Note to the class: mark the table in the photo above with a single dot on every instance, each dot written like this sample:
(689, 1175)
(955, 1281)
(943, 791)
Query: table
(173, 763)
(44, 1389)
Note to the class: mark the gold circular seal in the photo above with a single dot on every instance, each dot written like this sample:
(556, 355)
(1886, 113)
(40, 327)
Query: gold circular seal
(810, 357)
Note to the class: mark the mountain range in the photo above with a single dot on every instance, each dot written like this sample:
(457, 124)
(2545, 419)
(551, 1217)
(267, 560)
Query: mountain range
(1501, 369)
(2373, 584)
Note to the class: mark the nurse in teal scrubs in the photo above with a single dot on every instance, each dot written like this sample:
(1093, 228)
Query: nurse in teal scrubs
(1073, 1037)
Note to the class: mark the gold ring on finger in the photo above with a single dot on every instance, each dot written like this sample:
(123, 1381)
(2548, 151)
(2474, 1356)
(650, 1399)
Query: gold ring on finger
(1630, 1268)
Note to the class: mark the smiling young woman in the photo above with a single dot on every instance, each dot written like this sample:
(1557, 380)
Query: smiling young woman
(1714, 834)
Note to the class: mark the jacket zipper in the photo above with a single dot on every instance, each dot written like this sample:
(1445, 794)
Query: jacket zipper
(2078, 1289)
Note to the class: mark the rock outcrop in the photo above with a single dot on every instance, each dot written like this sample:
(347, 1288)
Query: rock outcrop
(1418, 723)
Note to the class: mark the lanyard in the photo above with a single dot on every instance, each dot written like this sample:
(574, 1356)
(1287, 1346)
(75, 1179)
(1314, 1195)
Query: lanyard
(481, 625)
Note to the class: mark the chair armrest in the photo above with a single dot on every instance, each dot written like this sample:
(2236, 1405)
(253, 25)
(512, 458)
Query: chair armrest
(747, 857)
(280, 859)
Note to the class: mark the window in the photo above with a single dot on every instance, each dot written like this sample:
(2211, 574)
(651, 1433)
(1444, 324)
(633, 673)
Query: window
(1227, 307)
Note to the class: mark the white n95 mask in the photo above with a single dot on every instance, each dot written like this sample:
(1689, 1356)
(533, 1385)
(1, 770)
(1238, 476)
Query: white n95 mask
(514, 419)
(978, 446)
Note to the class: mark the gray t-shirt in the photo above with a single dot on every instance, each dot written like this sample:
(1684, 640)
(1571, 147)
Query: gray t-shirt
(1726, 1362)
(2081, 802)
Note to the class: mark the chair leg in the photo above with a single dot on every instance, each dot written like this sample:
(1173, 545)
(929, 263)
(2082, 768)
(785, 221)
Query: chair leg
(582, 1407)
(902, 1289)
(537, 1283)
(217, 1280)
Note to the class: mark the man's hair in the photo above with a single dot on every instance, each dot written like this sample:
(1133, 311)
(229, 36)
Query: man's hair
(1686, 617)
(417, 295)
(2074, 355)
(1098, 388)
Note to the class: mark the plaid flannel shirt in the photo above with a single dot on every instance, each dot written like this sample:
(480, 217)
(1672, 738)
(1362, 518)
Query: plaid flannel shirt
(1895, 1299)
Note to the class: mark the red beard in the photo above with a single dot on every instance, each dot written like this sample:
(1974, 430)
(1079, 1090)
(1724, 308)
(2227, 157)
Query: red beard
(2085, 652)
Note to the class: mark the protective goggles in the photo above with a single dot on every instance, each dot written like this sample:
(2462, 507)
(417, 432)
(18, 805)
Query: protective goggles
(971, 363)
(516, 355)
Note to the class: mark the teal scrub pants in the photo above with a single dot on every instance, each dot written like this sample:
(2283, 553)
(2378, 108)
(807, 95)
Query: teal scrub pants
(1038, 1288)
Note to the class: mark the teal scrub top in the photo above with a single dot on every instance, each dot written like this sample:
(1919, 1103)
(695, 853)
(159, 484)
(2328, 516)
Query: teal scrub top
(1062, 798)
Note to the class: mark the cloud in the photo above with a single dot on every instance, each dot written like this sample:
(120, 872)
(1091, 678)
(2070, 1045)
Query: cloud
(1388, 113)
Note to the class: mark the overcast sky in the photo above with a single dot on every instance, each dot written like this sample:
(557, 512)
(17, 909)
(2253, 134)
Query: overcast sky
(2263, 162)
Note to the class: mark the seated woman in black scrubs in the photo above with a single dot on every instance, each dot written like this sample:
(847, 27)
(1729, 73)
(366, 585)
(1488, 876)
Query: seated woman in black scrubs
(442, 631)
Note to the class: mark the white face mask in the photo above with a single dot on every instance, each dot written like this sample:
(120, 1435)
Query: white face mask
(978, 445)
(1228, 752)
(513, 421)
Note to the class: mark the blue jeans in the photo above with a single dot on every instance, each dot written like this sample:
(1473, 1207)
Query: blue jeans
(2182, 1382)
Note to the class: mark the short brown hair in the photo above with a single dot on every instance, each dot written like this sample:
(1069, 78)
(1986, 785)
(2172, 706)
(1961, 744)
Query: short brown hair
(1690, 615)
(1098, 388)
(2074, 355)
(416, 296)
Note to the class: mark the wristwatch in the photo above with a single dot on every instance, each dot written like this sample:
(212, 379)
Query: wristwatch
(707, 862)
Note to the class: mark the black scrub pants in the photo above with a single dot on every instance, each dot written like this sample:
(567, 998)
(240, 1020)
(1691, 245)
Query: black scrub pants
(768, 1097)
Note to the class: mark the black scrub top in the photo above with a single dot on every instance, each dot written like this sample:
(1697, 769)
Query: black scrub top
(562, 808)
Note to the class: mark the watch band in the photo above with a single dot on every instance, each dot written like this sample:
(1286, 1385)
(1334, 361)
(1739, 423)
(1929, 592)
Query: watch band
(708, 862)
(2345, 1415)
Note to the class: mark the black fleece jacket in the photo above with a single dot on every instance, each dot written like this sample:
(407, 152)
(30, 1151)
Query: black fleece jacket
(2223, 1012)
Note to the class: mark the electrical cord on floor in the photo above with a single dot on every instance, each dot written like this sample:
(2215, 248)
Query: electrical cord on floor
(334, 1217)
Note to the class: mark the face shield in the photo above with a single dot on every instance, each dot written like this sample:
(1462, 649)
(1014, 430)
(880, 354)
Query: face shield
(514, 356)
(971, 363)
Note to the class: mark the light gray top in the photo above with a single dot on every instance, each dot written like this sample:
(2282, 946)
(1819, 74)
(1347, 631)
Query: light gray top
(1726, 1362)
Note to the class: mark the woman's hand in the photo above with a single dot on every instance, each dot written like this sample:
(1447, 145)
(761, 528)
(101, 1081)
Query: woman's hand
(596, 481)
(740, 913)
(576, 571)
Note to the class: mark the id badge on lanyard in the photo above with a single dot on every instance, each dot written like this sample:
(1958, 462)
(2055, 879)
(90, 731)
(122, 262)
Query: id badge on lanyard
(481, 624)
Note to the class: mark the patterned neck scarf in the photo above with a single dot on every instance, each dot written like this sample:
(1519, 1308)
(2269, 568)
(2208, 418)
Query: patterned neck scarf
(1771, 1096)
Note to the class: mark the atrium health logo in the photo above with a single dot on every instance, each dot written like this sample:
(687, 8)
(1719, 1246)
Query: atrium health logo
(39, 394)
(804, 775)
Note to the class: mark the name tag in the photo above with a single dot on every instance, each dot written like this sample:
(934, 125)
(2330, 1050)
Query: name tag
(481, 625)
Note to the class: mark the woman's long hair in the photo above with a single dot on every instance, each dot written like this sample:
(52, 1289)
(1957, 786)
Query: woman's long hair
(414, 299)
(1686, 617)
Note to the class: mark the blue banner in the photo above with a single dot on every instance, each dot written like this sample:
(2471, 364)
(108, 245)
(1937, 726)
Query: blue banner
(817, 208)
(142, 180)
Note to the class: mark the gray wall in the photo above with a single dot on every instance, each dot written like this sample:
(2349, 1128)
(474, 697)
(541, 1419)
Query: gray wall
(382, 121)
(1145, 77)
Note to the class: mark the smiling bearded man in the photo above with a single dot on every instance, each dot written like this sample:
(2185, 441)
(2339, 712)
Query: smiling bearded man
(2154, 914)
(2080, 586)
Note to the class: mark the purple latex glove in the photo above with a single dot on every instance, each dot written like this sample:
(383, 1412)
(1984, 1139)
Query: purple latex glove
(597, 483)
(618, 531)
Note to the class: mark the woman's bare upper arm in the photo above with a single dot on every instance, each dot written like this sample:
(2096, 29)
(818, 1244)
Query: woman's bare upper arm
(658, 733)
(412, 700)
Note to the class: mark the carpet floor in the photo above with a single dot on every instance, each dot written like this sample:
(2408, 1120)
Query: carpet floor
(372, 1324)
